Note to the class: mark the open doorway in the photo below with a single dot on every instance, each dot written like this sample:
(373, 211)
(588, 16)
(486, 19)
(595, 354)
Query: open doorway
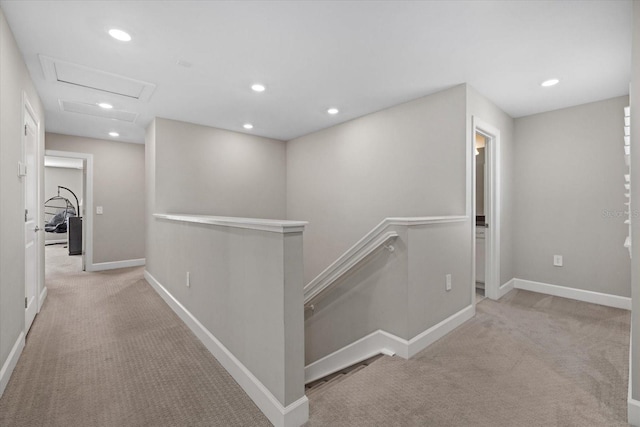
(486, 210)
(64, 200)
(68, 182)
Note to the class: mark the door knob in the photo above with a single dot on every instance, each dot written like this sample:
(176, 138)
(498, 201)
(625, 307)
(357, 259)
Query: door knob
(37, 229)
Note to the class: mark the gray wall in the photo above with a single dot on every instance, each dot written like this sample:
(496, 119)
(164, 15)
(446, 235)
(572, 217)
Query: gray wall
(118, 186)
(401, 292)
(14, 79)
(634, 379)
(487, 111)
(408, 160)
(204, 170)
(240, 292)
(254, 305)
(569, 198)
(65, 177)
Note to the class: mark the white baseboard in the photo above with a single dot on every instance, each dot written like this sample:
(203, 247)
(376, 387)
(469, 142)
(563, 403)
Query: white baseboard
(383, 342)
(11, 362)
(633, 412)
(101, 266)
(434, 333)
(43, 296)
(293, 415)
(573, 293)
(504, 289)
(633, 405)
(375, 343)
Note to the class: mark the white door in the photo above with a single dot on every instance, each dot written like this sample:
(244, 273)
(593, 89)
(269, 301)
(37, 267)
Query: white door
(30, 184)
(82, 212)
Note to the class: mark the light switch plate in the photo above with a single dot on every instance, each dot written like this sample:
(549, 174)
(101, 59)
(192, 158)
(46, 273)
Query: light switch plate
(99, 210)
(22, 169)
(557, 260)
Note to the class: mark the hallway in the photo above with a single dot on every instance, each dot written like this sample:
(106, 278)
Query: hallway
(107, 351)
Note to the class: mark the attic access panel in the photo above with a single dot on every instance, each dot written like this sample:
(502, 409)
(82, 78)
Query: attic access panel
(56, 70)
(96, 111)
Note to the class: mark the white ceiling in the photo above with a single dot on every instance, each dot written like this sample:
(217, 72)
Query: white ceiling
(359, 56)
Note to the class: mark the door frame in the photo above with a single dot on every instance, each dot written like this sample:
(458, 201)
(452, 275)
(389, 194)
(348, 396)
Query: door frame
(87, 206)
(492, 207)
(41, 290)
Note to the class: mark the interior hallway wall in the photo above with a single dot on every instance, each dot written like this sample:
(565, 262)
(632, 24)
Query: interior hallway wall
(408, 160)
(197, 169)
(14, 81)
(118, 186)
(204, 170)
(569, 198)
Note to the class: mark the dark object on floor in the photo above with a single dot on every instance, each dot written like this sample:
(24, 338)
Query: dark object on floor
(75, 235)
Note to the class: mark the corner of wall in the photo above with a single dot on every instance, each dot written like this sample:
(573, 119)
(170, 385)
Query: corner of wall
(634, 95)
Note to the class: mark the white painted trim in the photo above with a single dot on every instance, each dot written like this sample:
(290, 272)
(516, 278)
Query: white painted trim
(633, 405)
(434, 333)
(101, 266)
(293, 415)
(573, 293)
(425, 220)
(633, 412)
(11, 362)
(87, 215)
(43, 296)
(505, 288)
(353, 255)
(272, 225)
(493, 213)
(386, 343)
(374, 343)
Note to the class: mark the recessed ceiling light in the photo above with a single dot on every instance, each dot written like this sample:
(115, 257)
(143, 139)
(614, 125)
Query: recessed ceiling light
(333, 110)
(258, 87)
(550, 82)
(105, 105)
(114, 134)
(247, 126)
(123, 36)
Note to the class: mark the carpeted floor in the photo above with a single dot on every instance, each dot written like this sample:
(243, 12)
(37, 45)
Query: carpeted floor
(107, 351)
(527, 360)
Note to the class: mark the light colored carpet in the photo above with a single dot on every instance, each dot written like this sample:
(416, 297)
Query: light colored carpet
(107, 351)
(527, 360)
